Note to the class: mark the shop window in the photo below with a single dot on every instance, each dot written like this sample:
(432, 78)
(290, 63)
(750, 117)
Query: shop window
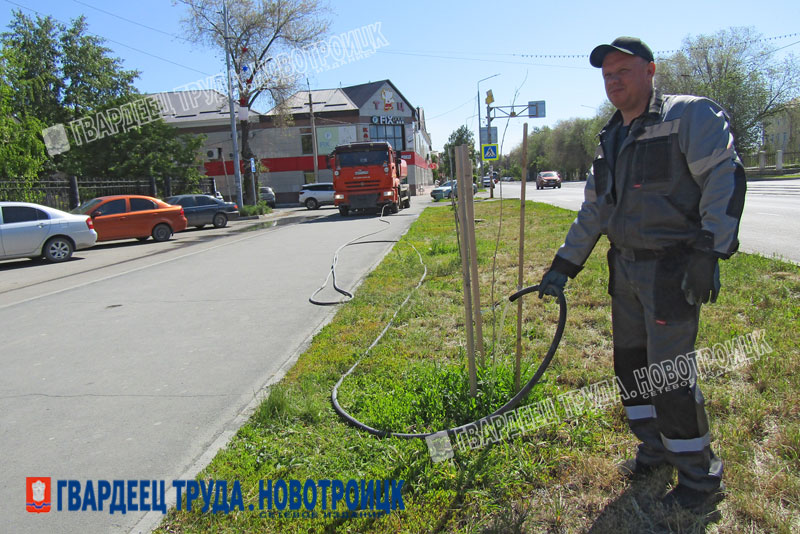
(392, 133)
(307, 143)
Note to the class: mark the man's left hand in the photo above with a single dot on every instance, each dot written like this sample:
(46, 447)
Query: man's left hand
(701, 280)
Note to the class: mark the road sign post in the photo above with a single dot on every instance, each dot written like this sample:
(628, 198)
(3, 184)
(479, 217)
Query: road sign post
(536, 109)
(489, 135)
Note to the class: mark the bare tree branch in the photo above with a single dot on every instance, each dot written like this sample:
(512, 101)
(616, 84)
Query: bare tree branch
(260, 32)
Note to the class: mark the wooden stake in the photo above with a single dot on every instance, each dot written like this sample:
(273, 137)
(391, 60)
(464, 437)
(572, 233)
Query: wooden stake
(462, 164)
(473, 264)
(521, 253)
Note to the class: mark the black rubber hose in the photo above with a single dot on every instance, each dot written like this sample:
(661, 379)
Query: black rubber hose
(510, 405)
(332, 272)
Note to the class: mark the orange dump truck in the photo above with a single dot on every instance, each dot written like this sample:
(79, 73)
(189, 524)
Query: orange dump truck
(369, 176)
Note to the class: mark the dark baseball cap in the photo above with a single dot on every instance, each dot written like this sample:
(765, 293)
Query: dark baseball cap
(626, 45)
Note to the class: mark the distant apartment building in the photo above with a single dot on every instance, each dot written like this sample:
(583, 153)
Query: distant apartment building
(374, 111)
(782, 131)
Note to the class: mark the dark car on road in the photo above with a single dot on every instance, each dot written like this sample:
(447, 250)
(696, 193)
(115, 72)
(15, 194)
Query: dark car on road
(266, 194)
(201, 210)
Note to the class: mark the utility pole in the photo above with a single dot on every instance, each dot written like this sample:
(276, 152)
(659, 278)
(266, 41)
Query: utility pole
(479, 127)
(236, 163)
(313, 133)
(489, 101)
(479, 116)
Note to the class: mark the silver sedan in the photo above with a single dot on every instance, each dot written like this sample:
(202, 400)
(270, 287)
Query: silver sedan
(31, 231)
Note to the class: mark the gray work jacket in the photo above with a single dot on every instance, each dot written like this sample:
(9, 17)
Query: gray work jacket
(676, 181)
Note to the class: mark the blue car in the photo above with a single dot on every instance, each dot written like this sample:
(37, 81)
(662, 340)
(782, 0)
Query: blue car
(201, 210)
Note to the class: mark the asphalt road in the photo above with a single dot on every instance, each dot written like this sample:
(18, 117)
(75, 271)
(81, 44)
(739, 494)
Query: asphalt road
(140, 361)
(769, 226)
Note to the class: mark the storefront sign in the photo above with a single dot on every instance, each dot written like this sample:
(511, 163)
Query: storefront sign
(387, 119)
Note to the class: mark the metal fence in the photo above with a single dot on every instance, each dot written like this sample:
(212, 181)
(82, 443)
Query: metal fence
(791, 158)
(66, 194)
(753, 161)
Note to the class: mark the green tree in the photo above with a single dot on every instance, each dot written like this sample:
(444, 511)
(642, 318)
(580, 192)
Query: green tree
(737, 69)
(538, 157)
(568, 147)
(21, 149)
(93, 78)
(54, 74)
(259, 31)
(437, 170)
(151, 150)
(461, 136)
(32, 53)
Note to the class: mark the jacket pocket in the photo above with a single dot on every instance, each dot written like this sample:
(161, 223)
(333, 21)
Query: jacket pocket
(651, 164)
(600, 173)
(668, 299)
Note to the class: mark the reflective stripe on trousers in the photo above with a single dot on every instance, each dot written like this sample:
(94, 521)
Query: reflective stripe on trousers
(653, 328)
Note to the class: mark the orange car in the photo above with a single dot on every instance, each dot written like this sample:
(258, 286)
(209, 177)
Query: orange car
(133, 216)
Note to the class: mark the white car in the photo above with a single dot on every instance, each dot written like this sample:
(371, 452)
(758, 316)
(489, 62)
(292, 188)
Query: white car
(31, 231)
(448, 189)
(312, 196)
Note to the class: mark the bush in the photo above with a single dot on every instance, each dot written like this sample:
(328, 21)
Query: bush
(259, 209)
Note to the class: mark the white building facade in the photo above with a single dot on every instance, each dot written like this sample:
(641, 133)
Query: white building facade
(285, 150)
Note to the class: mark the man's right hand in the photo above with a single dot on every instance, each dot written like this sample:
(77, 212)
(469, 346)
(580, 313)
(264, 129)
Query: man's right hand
(552, 279)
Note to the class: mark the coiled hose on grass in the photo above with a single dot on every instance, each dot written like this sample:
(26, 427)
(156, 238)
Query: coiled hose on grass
(451, 432)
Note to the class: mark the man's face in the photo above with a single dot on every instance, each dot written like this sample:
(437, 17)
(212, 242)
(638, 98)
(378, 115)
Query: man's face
(628, 80)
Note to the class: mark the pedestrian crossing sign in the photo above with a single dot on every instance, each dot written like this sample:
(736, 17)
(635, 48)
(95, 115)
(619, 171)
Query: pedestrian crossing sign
(490, 152)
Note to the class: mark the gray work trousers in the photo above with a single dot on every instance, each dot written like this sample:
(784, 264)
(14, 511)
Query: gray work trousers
(654, 332)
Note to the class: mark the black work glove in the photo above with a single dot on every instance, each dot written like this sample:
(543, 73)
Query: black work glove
(552, 279)
(556, 276)
(701, 280)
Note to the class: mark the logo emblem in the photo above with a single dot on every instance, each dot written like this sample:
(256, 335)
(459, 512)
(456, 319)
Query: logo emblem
(37, 494)
(55, 139)
(439, 447)
(388, 99)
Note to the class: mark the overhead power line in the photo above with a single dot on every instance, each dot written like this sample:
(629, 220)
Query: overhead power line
(471, 56)
(112, 40)
(452, 110)
(659, 52)
(132, 21)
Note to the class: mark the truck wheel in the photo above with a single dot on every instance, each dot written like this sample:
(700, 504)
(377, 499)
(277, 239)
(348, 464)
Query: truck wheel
(407, 202)
(343, 211)
(393, 207)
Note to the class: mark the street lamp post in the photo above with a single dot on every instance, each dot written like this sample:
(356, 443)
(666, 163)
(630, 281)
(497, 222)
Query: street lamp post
(236, 165)
(479, 118)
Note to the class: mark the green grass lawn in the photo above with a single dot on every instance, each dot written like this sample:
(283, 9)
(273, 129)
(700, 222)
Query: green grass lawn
(557, 478)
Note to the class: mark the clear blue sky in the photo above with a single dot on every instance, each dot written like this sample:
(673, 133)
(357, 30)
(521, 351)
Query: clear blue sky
(438, 51)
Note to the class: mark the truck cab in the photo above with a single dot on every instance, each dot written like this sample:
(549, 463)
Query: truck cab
(369, 176)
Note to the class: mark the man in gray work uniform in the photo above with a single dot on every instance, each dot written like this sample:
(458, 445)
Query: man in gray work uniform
(667, 188)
